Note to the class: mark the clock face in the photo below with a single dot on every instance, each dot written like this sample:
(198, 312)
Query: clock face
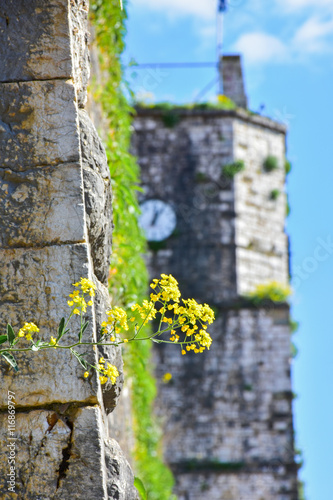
(157, 219)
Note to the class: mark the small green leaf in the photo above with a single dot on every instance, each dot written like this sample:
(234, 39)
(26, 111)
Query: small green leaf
(80, 359)
(3, 338)
(138, 484)
(61, 329)
(10, 334)
(85, 326)
(81, 332)
(10, 359)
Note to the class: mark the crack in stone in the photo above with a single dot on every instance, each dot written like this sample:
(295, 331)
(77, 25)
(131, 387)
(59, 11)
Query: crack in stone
(65, 78)
(66, 454)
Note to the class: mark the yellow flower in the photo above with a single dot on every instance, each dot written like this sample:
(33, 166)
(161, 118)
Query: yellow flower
(87, 286)
(103, 379)
(28, 336)
(117, 314)
(167, 377)
(86, 374)
(102, 360)
(183, 352)
(28, 328)
(112, 373)
(125, 340)
(53, 341)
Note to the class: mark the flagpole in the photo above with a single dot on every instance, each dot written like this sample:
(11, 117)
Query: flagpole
(220, 49)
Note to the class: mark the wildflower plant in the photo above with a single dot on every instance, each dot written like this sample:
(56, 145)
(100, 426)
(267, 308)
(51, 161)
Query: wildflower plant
(274, 291)
(182, 322)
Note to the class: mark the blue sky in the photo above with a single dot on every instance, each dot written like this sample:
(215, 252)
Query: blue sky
(287, 49)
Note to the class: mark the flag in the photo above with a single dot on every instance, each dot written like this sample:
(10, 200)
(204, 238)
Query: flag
(222, 5)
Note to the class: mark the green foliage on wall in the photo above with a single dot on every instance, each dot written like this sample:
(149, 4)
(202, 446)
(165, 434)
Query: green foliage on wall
(128, 275)
(222, 103)
(274, 291)
(271, 163)
(275, 193)
(231, 169)
(287, 166)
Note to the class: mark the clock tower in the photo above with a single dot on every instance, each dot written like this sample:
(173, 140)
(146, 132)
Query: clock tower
(213, 207)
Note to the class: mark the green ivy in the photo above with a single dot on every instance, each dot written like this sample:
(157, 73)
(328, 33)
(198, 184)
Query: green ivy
(223, 103)
(271, 163)
(128, 274)
(275, 193)
(231, 169)
(287, 166)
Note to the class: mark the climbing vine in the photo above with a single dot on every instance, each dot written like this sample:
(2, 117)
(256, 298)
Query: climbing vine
(128, 275)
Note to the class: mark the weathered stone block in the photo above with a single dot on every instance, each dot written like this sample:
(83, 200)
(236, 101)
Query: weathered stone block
(41, 206)
(38, 124)
(35, 40)
(80, 50)
(97, 193)
(55, 460)
(34, 287)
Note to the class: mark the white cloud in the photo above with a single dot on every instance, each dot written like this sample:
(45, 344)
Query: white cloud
(259, 48)
(301, 4)
(204, 9)
(312, 35)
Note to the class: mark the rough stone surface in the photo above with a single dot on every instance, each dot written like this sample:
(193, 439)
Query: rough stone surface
(41, 206)
(35, 40)
(34, 286)
(38, 124)
(97, 189)
(233, 83)
(55, 229)
(237, 396)
(55, 460)
(80, 48)
(119, 474)
(262, 246)
(266, 485)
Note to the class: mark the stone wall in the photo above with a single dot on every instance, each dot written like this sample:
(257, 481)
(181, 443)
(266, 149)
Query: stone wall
(228, 411)
(56, 227)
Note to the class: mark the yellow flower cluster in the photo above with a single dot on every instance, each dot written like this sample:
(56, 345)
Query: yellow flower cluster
(87, 286)
(110, 372)
(168, 289)
(78, 301)
(117, 315)
(147, 311)
(190, 317)
(27, 330)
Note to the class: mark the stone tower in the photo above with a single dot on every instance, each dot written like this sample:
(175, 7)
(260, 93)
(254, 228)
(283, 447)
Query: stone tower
(227, 414)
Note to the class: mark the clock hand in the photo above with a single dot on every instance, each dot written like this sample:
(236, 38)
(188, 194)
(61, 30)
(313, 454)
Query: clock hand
(155, 216)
